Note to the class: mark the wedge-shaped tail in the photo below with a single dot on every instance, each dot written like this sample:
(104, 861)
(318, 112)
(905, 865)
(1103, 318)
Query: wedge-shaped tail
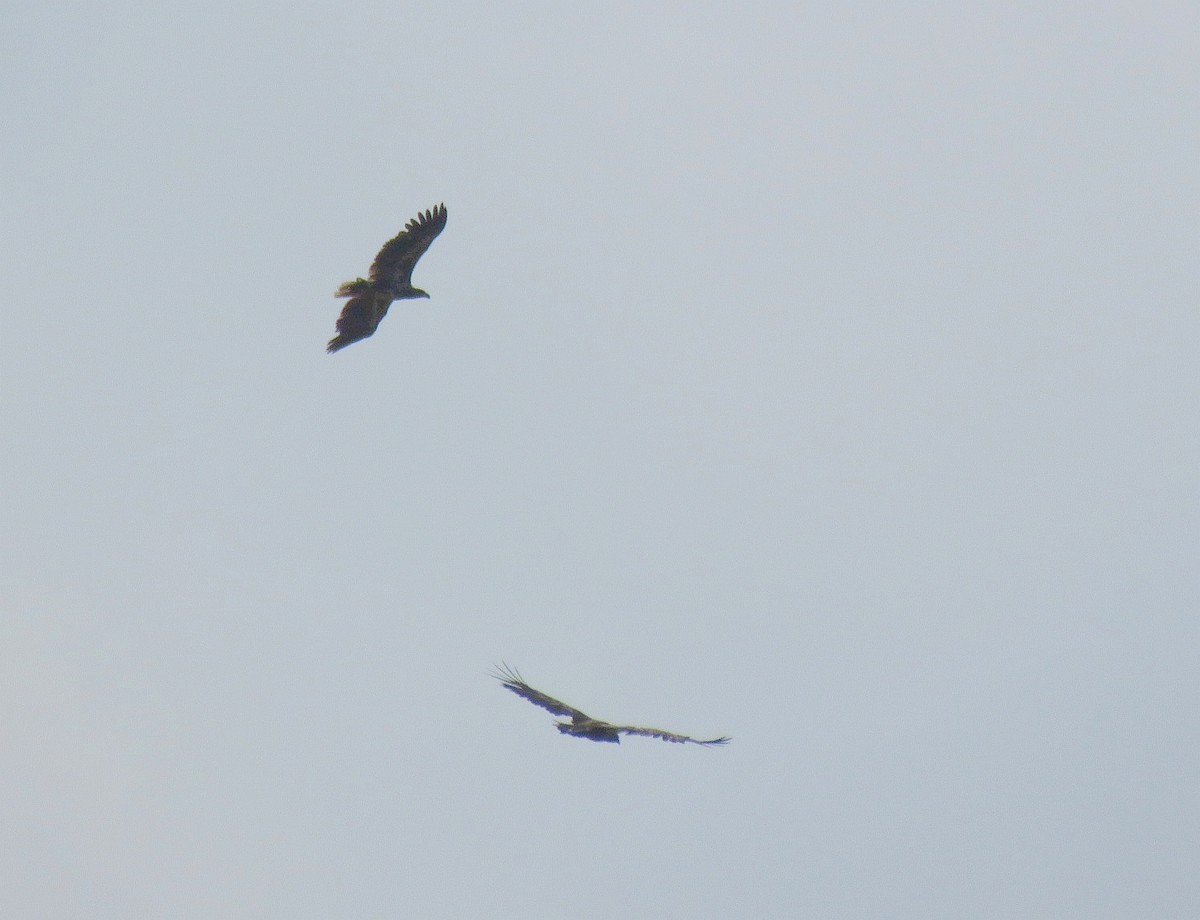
(350, 288)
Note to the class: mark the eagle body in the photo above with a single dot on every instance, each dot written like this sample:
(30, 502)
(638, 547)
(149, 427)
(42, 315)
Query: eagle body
(390, 279)
(590, 729)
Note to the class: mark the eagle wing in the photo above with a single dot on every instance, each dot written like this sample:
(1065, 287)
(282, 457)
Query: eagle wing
(394, 264)
(359, 319)
(667, 736)
(514, 682)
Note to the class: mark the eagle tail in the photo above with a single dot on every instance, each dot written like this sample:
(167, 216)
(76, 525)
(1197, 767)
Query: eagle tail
(350, 288)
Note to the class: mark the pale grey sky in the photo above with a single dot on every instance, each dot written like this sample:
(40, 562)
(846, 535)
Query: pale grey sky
(823, 378)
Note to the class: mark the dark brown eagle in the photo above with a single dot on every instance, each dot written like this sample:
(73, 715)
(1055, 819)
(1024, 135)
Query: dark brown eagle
(582, 725)
(391, 279)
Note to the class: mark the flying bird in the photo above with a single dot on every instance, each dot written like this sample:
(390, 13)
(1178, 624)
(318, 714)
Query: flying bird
(582, 725)
(391, 279)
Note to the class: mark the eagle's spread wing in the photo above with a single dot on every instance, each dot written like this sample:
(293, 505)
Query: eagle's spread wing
(393, 267)
(361, 315)
(666, 736)
(514, 682)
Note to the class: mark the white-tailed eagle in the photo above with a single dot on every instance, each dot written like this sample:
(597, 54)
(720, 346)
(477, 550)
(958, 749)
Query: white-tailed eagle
(582, 725)
(391, 279)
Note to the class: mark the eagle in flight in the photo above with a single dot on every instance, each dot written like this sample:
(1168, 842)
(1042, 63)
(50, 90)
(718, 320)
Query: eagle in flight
(391, 279)
(582, 725)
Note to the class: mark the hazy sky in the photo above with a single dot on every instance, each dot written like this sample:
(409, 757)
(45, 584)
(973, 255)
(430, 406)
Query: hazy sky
(825, 379)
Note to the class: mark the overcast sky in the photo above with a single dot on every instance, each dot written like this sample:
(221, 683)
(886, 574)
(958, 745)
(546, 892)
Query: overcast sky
(824, 379)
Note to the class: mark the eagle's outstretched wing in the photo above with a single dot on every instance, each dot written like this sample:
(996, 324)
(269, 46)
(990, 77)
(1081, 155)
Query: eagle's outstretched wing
(514, 682)
(393, 267)
(360, 316)
(666, 736)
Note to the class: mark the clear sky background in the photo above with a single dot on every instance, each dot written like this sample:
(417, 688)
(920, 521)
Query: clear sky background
(823, 378)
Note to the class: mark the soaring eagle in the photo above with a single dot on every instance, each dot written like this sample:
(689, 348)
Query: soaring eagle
(581, 724)
(391, 279)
